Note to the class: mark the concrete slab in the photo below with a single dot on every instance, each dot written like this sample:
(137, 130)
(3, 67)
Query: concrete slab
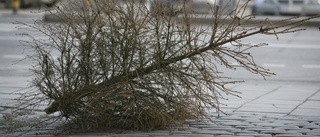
(306, 112)
(316, 97)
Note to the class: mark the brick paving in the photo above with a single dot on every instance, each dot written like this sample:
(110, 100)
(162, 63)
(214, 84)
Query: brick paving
(237, 124)
(266, 109)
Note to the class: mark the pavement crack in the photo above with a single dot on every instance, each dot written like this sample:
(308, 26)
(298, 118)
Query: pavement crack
(307, 99)
(257, 98)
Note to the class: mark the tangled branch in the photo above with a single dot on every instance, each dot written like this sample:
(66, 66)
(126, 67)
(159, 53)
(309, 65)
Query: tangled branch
(122, 65)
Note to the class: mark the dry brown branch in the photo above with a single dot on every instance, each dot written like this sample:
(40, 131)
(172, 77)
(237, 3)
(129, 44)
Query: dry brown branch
(115, 65)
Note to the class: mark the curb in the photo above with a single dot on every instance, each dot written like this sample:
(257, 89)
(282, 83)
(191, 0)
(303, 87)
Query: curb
(206, 19)
(202, 19)
(21, 14)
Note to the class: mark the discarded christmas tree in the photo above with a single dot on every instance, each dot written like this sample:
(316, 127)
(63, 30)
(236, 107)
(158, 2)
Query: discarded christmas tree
(121, 65)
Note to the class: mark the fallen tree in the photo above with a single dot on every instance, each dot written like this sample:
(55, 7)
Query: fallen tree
(114, 65)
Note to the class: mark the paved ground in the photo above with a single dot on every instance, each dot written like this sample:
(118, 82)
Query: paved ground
(266, 109)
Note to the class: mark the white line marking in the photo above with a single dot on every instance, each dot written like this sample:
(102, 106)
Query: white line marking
(17, 38)
(292, 46)
(308, 66)
(289, 46)
(16, 67)
(6, 27)
(274, 65)
(13, 56)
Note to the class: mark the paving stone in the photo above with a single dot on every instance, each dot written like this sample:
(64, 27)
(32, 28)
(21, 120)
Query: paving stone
(233, 136)
(299, 131)
(243, 132)
(15, 134)
(254, 135)
(229, 136)
(226, 128)
(235, 130)
(37, 135)
(246, 114)
(316, 130)
(299, 122)
(245, 127)
(235, 123)
(259, 129)
(237, 118)
(311, 119)
(251, 121)
(273, 131)
(311, 127)
(83, 135)
(220, 120)
(158, 133)
(267, 106)
(273, 125)
(288, 127)
(187, 135)
(316, 123)
(289, 118)
(213, 132)
(126, 135)
(181, 132)
(313, 134)
(200, 125)
(289, 135)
